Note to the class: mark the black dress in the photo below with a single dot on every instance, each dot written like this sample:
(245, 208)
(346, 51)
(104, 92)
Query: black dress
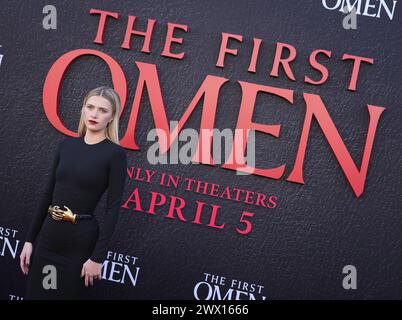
(79, 176)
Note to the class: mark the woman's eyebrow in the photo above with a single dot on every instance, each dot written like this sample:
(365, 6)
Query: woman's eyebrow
(89, 104)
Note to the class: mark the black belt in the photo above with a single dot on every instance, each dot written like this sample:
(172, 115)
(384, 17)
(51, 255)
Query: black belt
(84, 216)
(66, 215)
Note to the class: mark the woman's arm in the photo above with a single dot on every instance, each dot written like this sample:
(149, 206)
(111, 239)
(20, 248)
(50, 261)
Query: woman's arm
(117, 177)
(45, 201)
(25, 257)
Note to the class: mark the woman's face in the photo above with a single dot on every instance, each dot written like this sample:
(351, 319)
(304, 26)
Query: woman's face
(97, 113)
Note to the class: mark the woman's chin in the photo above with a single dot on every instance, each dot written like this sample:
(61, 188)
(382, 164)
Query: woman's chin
(93, 128)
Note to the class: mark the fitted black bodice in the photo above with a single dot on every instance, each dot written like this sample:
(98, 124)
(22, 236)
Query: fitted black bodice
(79, 176)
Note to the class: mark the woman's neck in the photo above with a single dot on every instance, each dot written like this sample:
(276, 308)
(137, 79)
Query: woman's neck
(94, 137)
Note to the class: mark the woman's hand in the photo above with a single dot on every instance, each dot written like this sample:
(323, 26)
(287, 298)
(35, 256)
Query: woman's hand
(25, 257)
(91, 270)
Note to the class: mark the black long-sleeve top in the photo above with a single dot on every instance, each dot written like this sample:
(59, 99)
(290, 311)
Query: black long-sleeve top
(79, 175)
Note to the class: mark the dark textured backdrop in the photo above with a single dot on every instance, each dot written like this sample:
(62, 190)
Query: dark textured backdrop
(297, 250)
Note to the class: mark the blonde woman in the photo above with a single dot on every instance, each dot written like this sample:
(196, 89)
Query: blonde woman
(69, 244)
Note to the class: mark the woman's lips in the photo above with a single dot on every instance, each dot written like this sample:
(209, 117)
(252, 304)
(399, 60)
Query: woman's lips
(92, 122)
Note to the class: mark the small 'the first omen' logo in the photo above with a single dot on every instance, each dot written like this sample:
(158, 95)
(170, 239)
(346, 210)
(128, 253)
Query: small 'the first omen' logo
(369, 8)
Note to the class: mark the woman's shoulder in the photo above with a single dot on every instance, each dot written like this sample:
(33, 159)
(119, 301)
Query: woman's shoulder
(67, 140)
(118, 155)
(114, 149)
(117, 150)
(64, 141)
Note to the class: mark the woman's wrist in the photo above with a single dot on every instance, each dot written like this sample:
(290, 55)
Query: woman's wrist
(95, 261)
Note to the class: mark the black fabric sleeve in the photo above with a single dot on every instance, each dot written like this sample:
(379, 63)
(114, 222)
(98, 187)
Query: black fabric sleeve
(41, 210)
(117, 177)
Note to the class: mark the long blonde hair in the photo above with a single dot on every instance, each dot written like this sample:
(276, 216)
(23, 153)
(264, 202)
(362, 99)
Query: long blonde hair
(112, 129)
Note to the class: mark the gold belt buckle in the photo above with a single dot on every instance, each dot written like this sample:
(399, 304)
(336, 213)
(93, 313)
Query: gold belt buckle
(59, 214)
